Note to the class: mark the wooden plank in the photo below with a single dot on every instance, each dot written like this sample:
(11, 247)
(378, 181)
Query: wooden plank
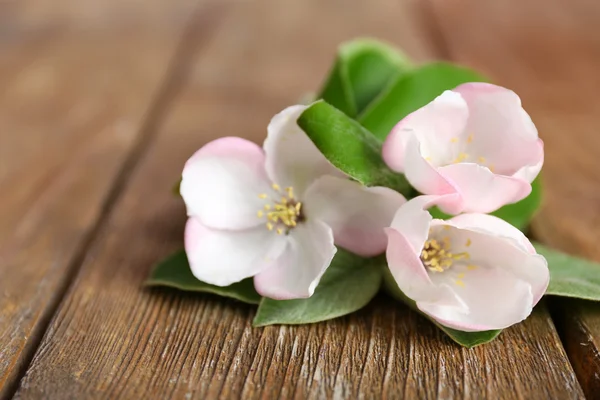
(548, 51)
(112, 339)
(72, 104)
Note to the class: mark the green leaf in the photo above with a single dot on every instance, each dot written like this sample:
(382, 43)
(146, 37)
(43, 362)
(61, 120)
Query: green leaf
(412, 91)
(348, 285)
(363, 68)
(571, 276)
(466, 339)
(519, 214)
(174, 271)
(349, 146)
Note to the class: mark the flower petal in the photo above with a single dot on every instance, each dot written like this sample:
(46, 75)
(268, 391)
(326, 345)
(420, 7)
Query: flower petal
(298, 270)
(503, 245)
(494, 299)
(482, 191)
(406, 266)
(224, 257)
(425, 177)
(530, 172)
(500, 129)
(413, 220)
(412, 277)
(493, 226)
(221, 183)
(292, 158)
(435, 126)
(355, 213)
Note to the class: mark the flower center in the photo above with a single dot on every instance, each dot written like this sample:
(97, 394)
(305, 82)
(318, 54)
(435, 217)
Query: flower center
(465, 156)
(437, 255)
(283, 213)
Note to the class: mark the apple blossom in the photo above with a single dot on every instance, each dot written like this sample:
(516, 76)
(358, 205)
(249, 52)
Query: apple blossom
(275, 213)
(475, 140)
(473, 272)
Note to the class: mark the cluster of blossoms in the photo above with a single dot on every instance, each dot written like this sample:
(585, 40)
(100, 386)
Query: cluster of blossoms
(278, 212)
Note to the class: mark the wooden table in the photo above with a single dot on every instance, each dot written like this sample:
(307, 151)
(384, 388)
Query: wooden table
(101, 102)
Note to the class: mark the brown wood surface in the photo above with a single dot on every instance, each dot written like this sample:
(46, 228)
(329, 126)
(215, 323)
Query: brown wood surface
(549, 52)
(72, 105)
(243, 61)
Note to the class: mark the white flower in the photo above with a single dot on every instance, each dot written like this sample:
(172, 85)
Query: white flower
(475, 140)
(473, 272)
(275, 214)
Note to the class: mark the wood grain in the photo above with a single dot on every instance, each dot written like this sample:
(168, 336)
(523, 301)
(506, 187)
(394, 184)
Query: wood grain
(548, 51)
(112, 339)
(72, 103)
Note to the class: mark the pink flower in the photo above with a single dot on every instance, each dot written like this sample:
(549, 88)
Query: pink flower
(475, 140)
(275, 214)
(473, 272)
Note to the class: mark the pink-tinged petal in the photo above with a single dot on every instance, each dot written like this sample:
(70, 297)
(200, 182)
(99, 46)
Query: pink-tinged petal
(494, 299)
(221, 183)
(483, 191)
(406, 266)
(530, 172)
(297, 271)
(292, 158)
(224, 257)
(436, 126)
(412, 277)
(422, 175)
(500, 130)
(413, 220)
(394, 148)
(356, 214)
(492, 226)
(497, 243)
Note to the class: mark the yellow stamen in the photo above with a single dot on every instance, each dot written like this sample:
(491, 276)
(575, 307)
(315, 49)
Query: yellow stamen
(284, 214)
(472, 267)
(262, 196)
(468, 242)
(481, 160)
(454, 140)
(470, 138)
(438, 257)
(461, 275)
(459, 283)
(461, 157)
